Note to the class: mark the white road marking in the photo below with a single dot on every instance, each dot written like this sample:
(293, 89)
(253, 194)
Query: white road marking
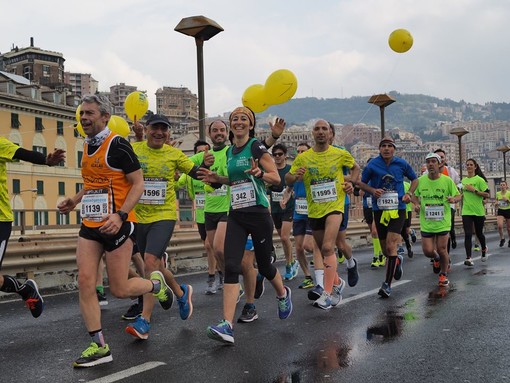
(372, 292)
(127, 373)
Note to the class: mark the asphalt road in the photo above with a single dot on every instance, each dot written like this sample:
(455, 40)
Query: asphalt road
(420, 334)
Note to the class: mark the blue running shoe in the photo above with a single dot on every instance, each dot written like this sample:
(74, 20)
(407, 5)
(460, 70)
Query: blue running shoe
(139, 328)
(400, 250)
(285, 305)
(185, 304)
(222, 332)
(352, 274)
(315, 293)
(33, 300)
(385, 290)
(399, 271)
(288, 272)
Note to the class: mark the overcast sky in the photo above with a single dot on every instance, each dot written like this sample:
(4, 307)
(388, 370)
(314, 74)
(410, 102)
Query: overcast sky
(336, 49)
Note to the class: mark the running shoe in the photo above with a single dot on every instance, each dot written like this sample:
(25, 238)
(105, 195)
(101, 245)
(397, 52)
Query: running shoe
(34, 301)
(454, 244)
(469, 262)
(164, 258)
(295, 268)
(139, 328)
(259, 286)
(399, 271)
(410, 252)
(385, 290)
(134, 311)
(336, 294)
(339, 256)
(315, 293)
(413, 236)
(477, 247)
(436, 266)
(101, 297)
(484, 254)
(285, 304)
(273, 255)
(306, 284)
(324, 302)
(352, 274)
(185, 304)
(375, 262)
(211, 286)
(219, 286)
(165, 295)
(93, 356)
(382, 260)
(288, 273)
(502, 242)
(241, 293)
(222, 332)
(249, 314)
(400, 250)
(443, 280)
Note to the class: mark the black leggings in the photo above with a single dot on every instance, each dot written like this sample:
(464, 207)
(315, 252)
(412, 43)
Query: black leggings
(239, 225)
(5, 233)
(467, 222)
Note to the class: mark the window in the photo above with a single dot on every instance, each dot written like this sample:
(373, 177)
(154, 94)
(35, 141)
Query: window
(60, 128)
(46, 71)
(15, 124)
(40, 187)
(61, 188)
(40, 149)
(63, 219)
(79, 186)
(27, 72)
(16, 186)
(80, 156)
(38, 124)
(40, 218)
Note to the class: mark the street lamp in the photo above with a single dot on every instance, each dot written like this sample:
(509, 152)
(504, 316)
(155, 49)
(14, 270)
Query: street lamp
(202, 29)
(459, 132)
(382, 101)
(503, 149)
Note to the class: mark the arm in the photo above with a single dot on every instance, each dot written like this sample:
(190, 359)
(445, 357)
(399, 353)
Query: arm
(355, 170)
(269, 174)
(276, 131)
(408, 196)
(37, 158)
(68, 204)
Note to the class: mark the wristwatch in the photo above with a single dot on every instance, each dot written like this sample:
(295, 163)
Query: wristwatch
(123, 215)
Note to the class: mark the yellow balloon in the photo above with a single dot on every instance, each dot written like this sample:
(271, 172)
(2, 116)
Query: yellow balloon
(136, 105)
(254, 98)
(400, 40)
(281, 86)
(118, 125)
(78, 113)
(80, 130)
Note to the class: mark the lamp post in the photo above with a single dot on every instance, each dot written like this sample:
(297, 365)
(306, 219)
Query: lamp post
(504, 149)
(459, 132)
(202, 29)
(382, 101)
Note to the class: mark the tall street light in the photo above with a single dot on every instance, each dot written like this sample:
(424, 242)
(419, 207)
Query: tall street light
(382, 101)
(504, 149)
(459, 132)
(202, 29)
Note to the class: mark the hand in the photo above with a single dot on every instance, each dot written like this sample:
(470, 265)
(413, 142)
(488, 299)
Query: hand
(300, 173)
(377, 193)
(138, 130)
(208, 158)
(112, 225)
(56, 157)
(255, 171)
(66, 206)
(417, 208)
(207, 176)
(470, 188)
(348, 188)
(406, 198)
(278, 127)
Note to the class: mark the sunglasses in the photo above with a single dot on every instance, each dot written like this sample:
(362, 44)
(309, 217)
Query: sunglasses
(279, 154)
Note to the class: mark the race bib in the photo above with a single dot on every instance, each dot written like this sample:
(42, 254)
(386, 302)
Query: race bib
(155, 191)
(199, 200)
(324, 192)
(301, 206)
(242, 194)
(276, 196)
(434, 212)
(502, 203)
(369, 202)
(388, 201)
(222, 191)
(95, 205)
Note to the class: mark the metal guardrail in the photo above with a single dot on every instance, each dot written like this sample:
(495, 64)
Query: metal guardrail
(29, 255)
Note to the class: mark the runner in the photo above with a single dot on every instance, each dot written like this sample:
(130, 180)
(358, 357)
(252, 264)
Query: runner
(386, 176)
(249, 214)
(474, 190)
(433, 196)
(503, 212)
(156, 214)
(321, 170)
